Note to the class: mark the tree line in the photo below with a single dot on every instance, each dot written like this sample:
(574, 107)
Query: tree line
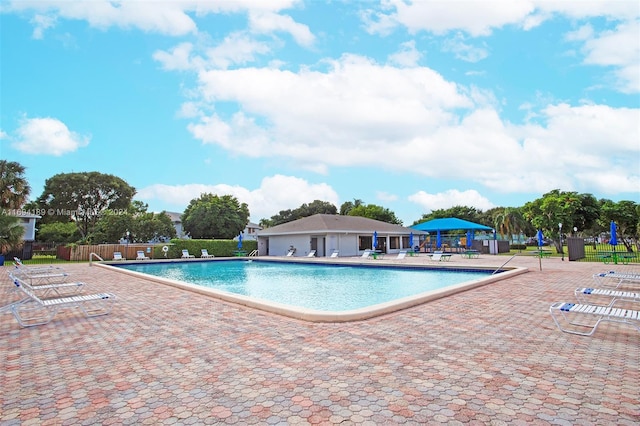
(92, 207)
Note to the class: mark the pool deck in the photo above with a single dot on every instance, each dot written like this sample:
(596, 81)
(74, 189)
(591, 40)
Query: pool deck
(169, 356)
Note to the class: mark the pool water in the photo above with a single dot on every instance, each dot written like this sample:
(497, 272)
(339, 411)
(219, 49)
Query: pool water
(319, 287)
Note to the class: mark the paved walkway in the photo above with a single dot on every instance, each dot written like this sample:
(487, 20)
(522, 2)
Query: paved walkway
(167, 356)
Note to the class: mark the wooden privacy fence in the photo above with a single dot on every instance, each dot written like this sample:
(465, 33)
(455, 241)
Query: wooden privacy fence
(105, 251)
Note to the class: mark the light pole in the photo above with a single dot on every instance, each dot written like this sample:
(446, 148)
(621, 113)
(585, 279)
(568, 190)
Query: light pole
(560, 232)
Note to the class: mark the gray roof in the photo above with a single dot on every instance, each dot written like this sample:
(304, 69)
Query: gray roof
(330, 223)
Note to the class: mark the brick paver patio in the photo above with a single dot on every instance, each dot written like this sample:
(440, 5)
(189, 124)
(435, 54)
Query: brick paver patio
(167, 356)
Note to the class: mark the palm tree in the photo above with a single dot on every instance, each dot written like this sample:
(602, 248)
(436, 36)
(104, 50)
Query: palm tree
(14, 188)
(509, 221)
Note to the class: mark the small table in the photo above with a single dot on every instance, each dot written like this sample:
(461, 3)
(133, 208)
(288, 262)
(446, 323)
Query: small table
(608, 256)
(542, 253)
(240, 253)
(471, 254)
(377, 253)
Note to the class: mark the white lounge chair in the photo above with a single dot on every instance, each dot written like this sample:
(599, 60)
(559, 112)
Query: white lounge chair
(440, 256)
(205, 254)
(290, 253)
(141, 256)
(335, 253)
(366, 254)
(37, 311)
(118, 256)
(402, 254)
(312, 253)
(582, 294)
(59, 289)
(186, 255)
(605, 278)
(40, 275)
(565, 314)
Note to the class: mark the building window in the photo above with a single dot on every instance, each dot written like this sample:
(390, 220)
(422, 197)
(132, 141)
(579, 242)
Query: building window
(394, 243)
(365, 242)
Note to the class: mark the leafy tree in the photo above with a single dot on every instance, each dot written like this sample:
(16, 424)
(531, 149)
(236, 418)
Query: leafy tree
(58, 232)
(84, 197)
(212, 216)
(113, 226)
(305, 210)
(461, 212)
(153, 226)
(627, 218)
(14, 188)
(553, 208)
(509, 221)
(376, 212)
(11, 232)
(347, 206)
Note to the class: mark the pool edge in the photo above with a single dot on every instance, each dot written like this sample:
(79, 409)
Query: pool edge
(311, 315)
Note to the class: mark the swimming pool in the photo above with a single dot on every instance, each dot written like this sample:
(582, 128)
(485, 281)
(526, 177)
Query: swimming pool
(314, 291)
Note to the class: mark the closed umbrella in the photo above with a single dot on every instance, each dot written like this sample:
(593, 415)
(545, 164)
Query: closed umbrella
(468, 239)
(240, 241)
(411, 239)
(438, 239)
(375, 239)
(614, 240)
(540, 239)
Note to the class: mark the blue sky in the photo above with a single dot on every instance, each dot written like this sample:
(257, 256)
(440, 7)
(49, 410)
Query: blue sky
(414, 106)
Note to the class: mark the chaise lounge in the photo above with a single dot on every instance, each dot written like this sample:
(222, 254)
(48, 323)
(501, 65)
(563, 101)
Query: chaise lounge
(565, 316)
(35, 310)
(204, 254)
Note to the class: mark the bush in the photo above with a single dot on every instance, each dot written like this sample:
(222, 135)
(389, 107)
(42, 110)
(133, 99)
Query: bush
(218, 248)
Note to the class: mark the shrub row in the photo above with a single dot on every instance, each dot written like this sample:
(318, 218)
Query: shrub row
(218, 248)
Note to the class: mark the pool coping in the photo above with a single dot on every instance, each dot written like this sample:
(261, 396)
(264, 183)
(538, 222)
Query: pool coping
(311, 315)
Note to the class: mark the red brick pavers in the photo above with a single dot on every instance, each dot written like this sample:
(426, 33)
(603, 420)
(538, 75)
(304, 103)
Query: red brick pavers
(167, 356)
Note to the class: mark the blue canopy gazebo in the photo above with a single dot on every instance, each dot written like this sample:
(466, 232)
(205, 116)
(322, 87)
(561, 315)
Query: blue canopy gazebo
(450, 224)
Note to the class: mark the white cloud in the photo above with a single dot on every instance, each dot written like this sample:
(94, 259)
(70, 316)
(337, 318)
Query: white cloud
(450, 198)
(463, 50)
(47, 136)
(269, 22)
(263, 202)
(364, 113)
(164, 17)
(618, 48)
(386, 197)
(407, 56)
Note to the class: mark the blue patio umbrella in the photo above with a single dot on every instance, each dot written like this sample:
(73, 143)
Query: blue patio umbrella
(468, 239)
(375, 239)
(614, 238)
(240, 241)
(540, 238)
(411, 239)
(438, 240)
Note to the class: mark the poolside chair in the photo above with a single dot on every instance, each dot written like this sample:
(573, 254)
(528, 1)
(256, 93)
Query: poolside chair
(17, 263)
(38, 311)
(604, 278)
(312, 253)
(402, 254)
(41, 276)
(440, 256)
(205, 254)
(290, 253)
(57, 288)
(335, 253)
(582, 294)
(565, 314)
(141, 256)
(186, 255)
(366, 254)
(118, 256)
